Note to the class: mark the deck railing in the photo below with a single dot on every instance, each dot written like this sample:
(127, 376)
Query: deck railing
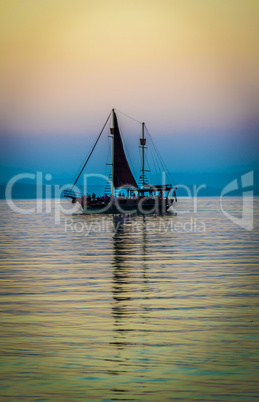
(72, 194)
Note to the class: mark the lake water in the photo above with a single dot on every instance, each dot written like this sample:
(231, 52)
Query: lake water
(101, 308)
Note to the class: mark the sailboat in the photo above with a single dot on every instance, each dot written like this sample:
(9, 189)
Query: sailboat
(143, 198)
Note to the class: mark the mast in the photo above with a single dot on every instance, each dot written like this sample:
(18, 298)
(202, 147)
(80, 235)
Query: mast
(142, 144)
(112, 132)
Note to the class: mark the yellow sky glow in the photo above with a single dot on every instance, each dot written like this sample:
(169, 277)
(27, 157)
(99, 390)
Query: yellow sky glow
(65, 64)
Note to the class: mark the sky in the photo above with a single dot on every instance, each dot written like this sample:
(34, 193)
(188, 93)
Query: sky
(188, 68)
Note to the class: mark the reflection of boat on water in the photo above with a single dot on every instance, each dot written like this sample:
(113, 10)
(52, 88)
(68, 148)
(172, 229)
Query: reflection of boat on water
(143, 198)
(121, 249)
(129, 276)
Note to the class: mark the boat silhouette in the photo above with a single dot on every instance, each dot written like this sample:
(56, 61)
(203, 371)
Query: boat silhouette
(144, 197)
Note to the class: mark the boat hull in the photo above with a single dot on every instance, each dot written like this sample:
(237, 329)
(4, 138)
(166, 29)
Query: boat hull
(137, 207)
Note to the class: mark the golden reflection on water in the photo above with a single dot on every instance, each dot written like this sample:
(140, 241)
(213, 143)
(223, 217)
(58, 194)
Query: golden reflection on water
(128, 313)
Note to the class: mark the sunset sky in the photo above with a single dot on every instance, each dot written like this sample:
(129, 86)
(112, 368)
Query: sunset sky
(188, 68)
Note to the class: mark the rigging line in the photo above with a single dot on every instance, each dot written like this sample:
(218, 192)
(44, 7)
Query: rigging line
(91, 151)
(128, 116)
(156, 165)
(148, 164)
(161, 160)
(154, 157)
(139, 154)
(148, 173)
(107, 167)
(81, 165)
(165, 167)
(140, 161)
(109, 151)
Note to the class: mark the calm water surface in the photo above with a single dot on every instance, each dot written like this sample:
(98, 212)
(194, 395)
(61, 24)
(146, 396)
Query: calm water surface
(101, 308)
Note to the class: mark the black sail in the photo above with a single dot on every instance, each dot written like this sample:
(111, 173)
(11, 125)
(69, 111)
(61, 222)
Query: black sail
(122, 173)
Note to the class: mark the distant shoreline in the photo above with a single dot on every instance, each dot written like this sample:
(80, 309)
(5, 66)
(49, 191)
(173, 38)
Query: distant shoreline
(29, 190)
